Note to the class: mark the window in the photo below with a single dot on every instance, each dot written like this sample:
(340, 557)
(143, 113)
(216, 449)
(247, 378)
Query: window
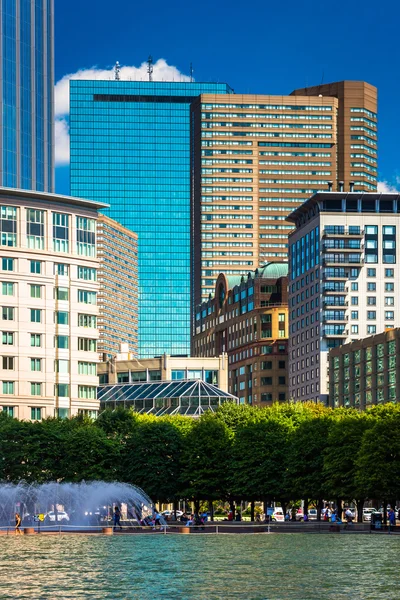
(61, 293)
(371, 300)
(281, 364)
(371, 229)
(90, 368)
(36, 291)
(87, 273)
(354, 314)
(371, 315)
(389, 287)
(87, 321)
(36, 413)
(282, 380)
(354, 300)
(354, 286)
(7, 313)
(36, 389)
(389, 300)
(8, 338)
(61, 389)
(62, 342)
(8, 387)
(61, 366)
(354, 329)
(87, 391)
(8, 226)
(36, 266)
(371, 329)
(36, 364)
(7, 288)
(62, 413)
(371, 286)
(85, 236)
(389, 272)
(281, 317)
(86, 297)
(281, 396)
(266, 380)
(371, 272)
(9, 410)
(178, 374)
(60, 232)
(8, 363)
(389, 230)
(36, 315)
(266, 397)
(36, 340)
(7, 264)
(62, 317)
(35, 228)
(389, 315)
(87, 345)
(61, 269)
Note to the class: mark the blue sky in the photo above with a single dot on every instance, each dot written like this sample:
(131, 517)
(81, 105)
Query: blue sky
(257, 47)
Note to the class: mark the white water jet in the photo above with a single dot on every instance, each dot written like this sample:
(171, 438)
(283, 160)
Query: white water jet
(72, 504)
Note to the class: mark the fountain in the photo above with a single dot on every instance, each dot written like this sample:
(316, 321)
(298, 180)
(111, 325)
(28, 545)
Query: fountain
(72, 504)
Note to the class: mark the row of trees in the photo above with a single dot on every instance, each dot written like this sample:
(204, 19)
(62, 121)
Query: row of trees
(281, 453)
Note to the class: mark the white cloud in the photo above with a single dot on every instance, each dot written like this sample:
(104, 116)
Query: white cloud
(386, 188)
(161, 72)
(61, 141)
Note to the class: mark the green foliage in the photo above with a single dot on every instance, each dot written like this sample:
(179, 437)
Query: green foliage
(283, 452)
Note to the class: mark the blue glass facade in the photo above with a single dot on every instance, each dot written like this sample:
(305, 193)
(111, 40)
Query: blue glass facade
(130, 146)
(27, 81)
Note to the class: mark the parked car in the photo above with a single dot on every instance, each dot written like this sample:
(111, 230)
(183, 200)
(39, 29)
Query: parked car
(312, 514)
(169, 514)
(299, 514)
(61, 516)
(278, 515)
(367, 512)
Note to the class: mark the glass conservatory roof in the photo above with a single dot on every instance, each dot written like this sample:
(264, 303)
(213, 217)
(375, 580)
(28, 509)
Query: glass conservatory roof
(185, 397)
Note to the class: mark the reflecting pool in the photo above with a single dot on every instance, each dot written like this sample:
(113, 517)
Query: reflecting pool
(201, 567)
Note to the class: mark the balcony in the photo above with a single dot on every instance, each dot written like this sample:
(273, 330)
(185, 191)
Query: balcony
(330, 332)
(327, 301)
(328, 289)
(333, 260)
(328, 248)
(339, 231)
(337, 317)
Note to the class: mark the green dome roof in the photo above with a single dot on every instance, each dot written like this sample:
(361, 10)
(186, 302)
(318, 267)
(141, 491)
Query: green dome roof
(274, 269)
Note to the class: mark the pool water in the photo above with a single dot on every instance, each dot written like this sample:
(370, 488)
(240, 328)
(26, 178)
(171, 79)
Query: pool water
(201, 567)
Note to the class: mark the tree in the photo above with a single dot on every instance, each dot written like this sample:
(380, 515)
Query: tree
(307, 443)
(260, 460)
(206, 459)
(378, 462)
(152, 458)
(340, 457)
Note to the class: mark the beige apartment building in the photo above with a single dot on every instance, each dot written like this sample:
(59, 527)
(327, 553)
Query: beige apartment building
(49, 292)
(256, 158)
(118, 296)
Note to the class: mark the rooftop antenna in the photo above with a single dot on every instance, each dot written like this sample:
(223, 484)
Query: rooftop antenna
(191, 73)
(117, 69)
(150, 67)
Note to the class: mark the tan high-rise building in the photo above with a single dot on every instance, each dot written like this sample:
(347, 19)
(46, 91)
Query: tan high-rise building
(118, 296)
(256, 158)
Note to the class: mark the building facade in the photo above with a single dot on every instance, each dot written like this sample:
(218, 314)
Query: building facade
(49, 289)
(130, 147)
(123, 368)
(247, 318)
(27, 96)
(118, 294)
(255, 158)
(343, 280)
(365, 372)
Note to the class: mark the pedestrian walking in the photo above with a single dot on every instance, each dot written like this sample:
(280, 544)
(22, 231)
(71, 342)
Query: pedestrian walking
(117, 518)
(18, 522)
(392, 519)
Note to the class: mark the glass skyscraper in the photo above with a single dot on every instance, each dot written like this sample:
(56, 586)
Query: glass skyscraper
(26, 83)
(130, 147)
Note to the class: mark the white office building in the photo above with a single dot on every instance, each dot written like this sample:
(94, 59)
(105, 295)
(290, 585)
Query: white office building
(48, 288)
(344, 280)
